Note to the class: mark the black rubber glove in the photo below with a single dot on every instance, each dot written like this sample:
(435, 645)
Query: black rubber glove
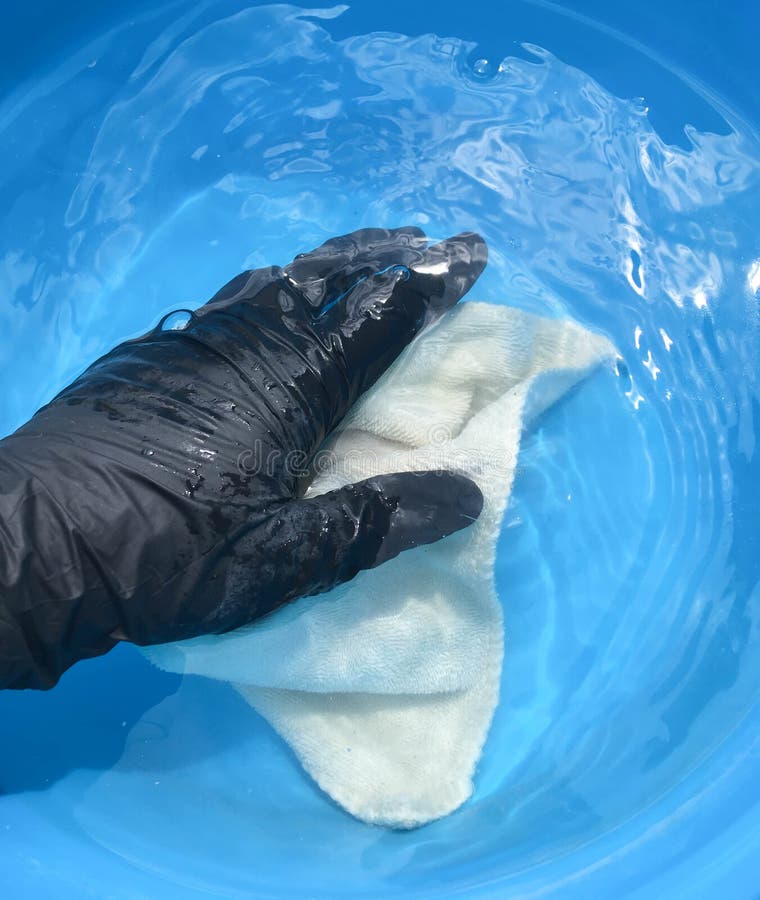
(158, 497)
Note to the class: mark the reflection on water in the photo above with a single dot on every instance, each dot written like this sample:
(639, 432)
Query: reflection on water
(178, 149)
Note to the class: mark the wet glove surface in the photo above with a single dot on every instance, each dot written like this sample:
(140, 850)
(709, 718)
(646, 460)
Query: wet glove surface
(159, 497)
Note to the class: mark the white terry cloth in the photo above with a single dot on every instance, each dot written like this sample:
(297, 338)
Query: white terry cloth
(385, 687)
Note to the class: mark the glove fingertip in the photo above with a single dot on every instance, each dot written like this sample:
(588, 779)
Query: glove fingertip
(429, 506)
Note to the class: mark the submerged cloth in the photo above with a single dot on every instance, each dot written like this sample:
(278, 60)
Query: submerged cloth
(385, 687)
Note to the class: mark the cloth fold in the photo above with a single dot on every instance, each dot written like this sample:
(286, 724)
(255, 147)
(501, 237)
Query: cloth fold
(385, 687)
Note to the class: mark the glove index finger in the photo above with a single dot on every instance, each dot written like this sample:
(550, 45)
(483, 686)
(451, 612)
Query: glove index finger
(448, 270)
(375, 320)
(325, 274)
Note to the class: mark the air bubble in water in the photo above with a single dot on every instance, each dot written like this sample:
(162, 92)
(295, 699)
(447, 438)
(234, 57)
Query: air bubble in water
(176, 321)
(482, 68)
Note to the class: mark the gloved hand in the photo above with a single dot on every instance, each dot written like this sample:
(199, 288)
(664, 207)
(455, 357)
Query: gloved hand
(157, 497)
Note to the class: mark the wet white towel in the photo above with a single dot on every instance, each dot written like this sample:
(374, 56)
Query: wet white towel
(385, 687)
